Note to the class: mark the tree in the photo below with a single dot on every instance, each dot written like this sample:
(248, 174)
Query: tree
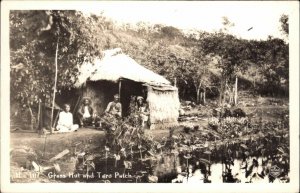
(230, 54)
(274, 66)
(200, 74)
(41, 39)
(25, 84)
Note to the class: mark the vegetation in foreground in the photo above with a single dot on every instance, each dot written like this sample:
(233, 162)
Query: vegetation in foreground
(145, 157)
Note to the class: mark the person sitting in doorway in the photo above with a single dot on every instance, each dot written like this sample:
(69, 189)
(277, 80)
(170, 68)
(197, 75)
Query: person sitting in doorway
(143, 111)
(65, 121)
(114, 108)
(86, 114)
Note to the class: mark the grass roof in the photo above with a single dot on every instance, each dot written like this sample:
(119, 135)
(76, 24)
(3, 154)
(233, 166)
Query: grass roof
(116, 65)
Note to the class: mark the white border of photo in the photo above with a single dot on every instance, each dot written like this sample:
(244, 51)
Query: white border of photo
(6, 186)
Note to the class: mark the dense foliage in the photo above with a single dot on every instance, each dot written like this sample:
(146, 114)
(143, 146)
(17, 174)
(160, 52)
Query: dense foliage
(39, 40)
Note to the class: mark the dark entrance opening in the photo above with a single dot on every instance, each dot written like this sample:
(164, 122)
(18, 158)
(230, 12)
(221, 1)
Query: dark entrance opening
(130, 88)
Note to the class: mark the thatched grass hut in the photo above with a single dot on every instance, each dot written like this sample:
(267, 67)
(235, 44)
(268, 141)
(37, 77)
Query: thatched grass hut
(118, 73)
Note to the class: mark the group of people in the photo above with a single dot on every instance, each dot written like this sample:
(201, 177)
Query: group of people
(87, 116)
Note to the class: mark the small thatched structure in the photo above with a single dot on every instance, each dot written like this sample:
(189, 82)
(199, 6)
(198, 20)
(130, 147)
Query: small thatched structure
(118, 73)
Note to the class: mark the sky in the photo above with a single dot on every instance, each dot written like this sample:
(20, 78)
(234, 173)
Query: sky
(262, 17)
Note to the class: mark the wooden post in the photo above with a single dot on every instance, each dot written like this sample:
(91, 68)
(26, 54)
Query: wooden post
(236, 91)
(54, 90)
(39, 115)
(120, 84)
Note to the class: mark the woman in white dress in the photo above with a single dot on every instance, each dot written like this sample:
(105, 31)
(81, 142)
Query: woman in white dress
(65, 121)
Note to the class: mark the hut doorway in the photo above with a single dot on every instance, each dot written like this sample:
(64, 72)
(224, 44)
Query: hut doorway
(128, 89)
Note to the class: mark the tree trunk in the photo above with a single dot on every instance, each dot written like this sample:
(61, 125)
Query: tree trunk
(231, 95)
(31, 117)
(39, 115)
(221, 90)
(201, 97)
(236, 91)
(198, 92)
(222, 94)
(198, 96)
(54, 90)
(42, 114)
(175, 82)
